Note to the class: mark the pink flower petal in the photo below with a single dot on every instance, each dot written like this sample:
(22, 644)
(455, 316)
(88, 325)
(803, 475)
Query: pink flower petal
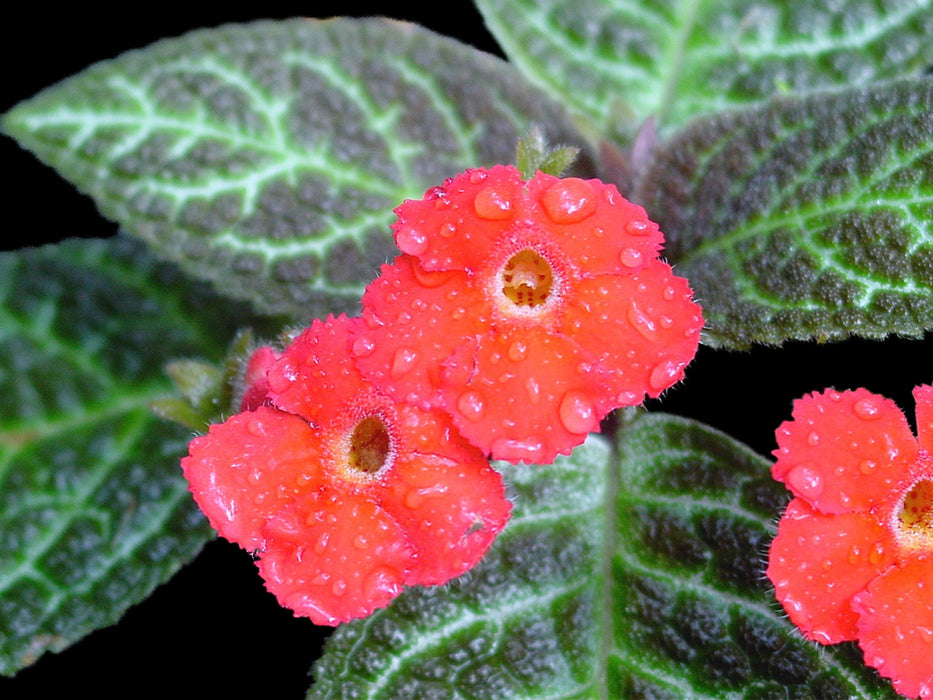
(844, 451)
(818, 562)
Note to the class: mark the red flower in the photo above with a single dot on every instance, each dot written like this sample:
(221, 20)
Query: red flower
(345, 495)
(527, 310)
(853, 556)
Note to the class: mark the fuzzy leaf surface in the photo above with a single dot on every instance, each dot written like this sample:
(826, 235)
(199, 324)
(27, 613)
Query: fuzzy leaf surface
(267, 157)
(618, 62)
(805, 218)
(94, 511)
(634, 573)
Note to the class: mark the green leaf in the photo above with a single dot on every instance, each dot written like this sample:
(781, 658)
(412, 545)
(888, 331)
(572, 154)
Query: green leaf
(94, 511)
(636, 574)
(806, 218)
(267, 158)
(619, 62)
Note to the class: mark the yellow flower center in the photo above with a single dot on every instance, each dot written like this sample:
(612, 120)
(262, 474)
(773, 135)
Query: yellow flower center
(527, 279)
(369, 449)
(914, 519)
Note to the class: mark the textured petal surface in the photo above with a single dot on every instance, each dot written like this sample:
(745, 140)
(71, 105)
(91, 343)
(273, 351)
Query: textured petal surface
(895, 626)
(844, 451)
(249, 467)
(818, 562)
(525, 396)
(256, 378)
(315, 376)
(454, 225)
(923, 398)
(334, 557)
(644, 328)
(451, 510)
(413, 320)
(601, 231)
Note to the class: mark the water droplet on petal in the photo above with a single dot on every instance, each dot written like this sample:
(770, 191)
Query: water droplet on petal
(855, 554)
(339, 587)
(518, 350)
(805, 480)
(472, 405)
(256, 427)
(813, 438)
(402, 362)
(669, 293)
(320, 545)
(876, 554)
(448, 230)
(867, 409)
(630, 257)
(534, 390)
(577, 413)
(569, 201)
(411, 241)
(642, 323)
(364, 347)
(628, 398)
(664, 375)
(638, 227)
(492, 205)
(381, 583)
(360, 542)
(477, 176)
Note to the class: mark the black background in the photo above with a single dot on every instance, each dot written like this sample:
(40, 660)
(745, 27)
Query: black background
(213, 630)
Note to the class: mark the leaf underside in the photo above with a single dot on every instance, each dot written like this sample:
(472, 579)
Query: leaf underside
(267, 158)
(94, 511)
(804, 219)
(629, 574)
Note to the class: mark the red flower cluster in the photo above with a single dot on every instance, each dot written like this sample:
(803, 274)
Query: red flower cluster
(345, 495)
(853, 556)
(527, 310)
(518, 315)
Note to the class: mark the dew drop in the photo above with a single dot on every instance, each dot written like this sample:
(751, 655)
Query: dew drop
(411, 241)
(826, 564)
(642, 323)
(472, 405)
(638, 227)
(867, 409)
(813, 438)
(448, 230)
(477, 176)
(363, 346)
(492, 205)
(876, 554)
(403, 361)
(569, 201)
(518, 350)
(855, 554)
(664, 375)
(361, 542)
(599, 231)
(669, 293)
(256, 427)
(380, 584)
(805, 480)
(630, 257)
(339, 587)
(320, 545)
(534, 390)
(867, 466)
(577, 413)
(628, 398)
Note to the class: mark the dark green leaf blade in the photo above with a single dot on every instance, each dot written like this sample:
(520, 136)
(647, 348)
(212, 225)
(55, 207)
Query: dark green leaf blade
(807, 218)
(630, 575)
(94, 511)
(268, 157)
(619, 62)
